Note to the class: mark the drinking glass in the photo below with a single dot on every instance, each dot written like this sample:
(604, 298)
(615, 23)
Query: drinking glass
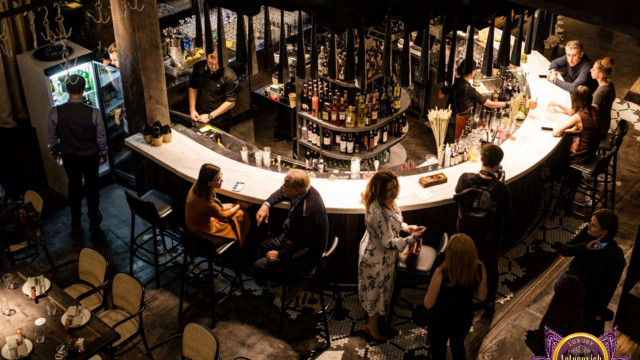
(38, 333)
(266, 156)
(259, 157)
(8, 281)
(5, 308)
(533, 103)
(51, 306)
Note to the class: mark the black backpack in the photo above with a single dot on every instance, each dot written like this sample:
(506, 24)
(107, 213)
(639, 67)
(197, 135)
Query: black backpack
(477, 212)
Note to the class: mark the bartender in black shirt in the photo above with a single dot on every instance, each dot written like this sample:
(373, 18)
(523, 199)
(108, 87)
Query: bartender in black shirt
(462, 97)
(212, 92)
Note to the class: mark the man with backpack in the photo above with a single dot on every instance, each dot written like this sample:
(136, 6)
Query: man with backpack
(483, 204)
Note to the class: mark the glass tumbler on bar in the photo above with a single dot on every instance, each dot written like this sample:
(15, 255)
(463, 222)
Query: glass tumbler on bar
(266, 156)
(259, 157)
(51, 306)
(8, 281)
(38, 333)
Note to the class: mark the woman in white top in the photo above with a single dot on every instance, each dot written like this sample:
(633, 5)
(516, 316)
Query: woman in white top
(379, 247)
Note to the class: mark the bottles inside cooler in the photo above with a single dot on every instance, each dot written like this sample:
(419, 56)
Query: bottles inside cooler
(58, 85)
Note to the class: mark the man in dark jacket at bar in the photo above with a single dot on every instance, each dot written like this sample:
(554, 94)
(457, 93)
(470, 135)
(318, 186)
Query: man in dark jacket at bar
(598, 262)
(305, 231)
(77, 137)
(577, 65)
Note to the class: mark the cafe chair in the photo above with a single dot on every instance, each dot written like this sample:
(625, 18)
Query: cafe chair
(200, 256)
(29, 249)
(198, 343)
(416, 273)
(126, 316)
(314, 276)
(153, 207)
(92, 272)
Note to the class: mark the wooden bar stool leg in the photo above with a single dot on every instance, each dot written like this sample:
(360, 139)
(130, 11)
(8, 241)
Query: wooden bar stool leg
(132, 242)
(212, 300)
(283, 308)
(324, 314)
(155, 255)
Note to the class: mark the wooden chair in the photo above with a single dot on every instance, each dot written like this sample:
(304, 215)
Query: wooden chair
(92, 272)
(126, 316)
(29, 251)
(198, 343)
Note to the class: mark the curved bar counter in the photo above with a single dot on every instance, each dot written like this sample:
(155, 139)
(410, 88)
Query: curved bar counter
(531, 146)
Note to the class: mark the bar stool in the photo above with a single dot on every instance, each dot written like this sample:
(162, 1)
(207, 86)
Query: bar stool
(199, 251)
(153, 207)
(607, 144)
(313, 276)
(420, 271)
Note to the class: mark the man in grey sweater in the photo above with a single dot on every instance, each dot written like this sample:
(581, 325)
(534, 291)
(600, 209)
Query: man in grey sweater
(577, 65)
(77, 137)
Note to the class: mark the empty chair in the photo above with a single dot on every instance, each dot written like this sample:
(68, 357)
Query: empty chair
(126, 316)
(29, 248)
(92, 272)
(153, 207)
(198, 343)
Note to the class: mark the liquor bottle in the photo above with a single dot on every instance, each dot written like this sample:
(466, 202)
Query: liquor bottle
(396, 99)
(321, 165)
(374, 110)
(334, 112)
(342, 113)
(314, 104)
(304, 105)
(350, 145)
(372, 140)
(368, 115)
(343, 143)
(326, 109)
(318, 136)
(314, 160)
(405, 127)
(447, 156)
(307, 160)
(327, 140)
(362, 112)
(350, 121)
(384, 135)
(336, 138)
(376, 140)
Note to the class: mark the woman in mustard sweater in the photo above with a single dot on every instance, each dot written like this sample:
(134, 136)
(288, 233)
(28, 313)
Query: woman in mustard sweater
(207, 216)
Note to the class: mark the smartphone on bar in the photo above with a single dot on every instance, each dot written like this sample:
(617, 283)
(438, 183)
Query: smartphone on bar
(238, 186)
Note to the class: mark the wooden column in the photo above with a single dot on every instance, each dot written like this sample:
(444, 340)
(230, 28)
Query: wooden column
(140, 54)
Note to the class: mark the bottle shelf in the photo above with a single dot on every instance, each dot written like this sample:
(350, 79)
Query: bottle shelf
(405, 102)
(335, 153)
(349, 84)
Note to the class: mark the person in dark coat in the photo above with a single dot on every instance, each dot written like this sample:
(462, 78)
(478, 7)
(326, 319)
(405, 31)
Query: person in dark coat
(304, 233)
(578, 68)
(77, 137)
(598, 262)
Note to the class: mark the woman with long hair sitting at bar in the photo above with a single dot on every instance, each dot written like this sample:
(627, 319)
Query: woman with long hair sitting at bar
(379, 247)
(581, 127)
(208, 217)
(605, 94)
(449, 299)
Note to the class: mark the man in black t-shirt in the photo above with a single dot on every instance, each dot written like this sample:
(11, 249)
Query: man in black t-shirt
(488, 237)
(462, 98)
(212, 92)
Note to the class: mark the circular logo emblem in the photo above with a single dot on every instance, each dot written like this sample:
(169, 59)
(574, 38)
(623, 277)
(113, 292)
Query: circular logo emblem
(580, 346)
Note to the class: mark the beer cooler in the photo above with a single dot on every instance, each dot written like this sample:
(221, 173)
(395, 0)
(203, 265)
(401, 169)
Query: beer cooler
(43, 77)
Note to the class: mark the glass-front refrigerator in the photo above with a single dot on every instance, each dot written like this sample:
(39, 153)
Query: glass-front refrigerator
(111, 103)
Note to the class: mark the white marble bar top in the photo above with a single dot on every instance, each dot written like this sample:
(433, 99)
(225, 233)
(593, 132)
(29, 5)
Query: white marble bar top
(530, 148)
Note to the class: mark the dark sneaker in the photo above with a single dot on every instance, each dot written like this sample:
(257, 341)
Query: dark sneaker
(94, 223)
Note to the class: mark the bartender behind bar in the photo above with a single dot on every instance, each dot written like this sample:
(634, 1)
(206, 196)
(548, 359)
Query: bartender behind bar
(212, 92)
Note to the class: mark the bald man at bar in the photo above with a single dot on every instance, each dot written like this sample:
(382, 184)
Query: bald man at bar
(212, 92)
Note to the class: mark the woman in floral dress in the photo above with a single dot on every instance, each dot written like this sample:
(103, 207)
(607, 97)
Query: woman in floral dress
(379, 247)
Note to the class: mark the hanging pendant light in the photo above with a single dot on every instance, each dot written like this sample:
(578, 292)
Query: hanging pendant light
(267, 51)
(386, 52)
(538, 37)
(313, 70)
(223, 59)
(441, 73)
(332, 56)
(283, 67)
(468, 66)
(505, 42)
(528, 43)
(350, 61)
(517, 45)
(196, 12)
(362, 66)
(241, 40)
(452, 52)
(251, 45)
(300, 61)
(487, 60)
(208, 31)
(405, 70)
